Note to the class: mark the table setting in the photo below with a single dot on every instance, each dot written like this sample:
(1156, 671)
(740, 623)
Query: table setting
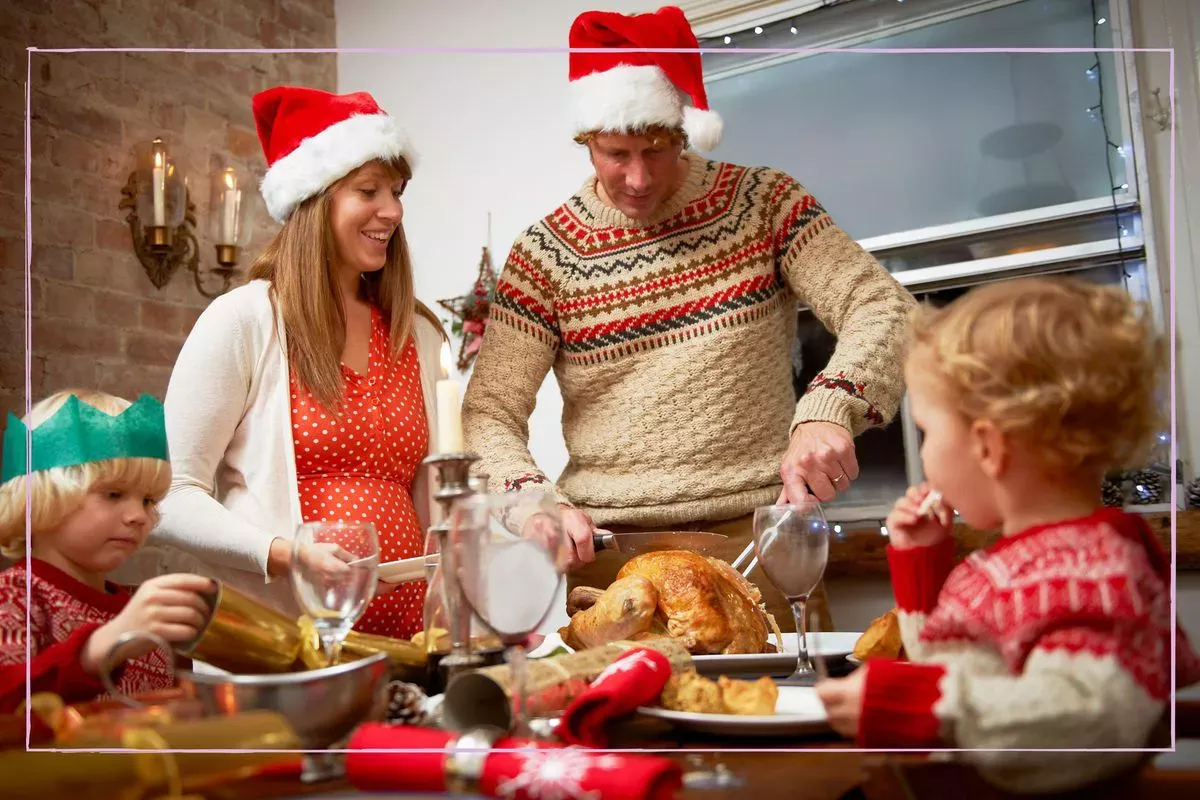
(462, 707)
(673, 681)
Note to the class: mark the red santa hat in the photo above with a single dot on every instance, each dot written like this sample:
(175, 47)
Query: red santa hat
(312, 138)
(620, 92)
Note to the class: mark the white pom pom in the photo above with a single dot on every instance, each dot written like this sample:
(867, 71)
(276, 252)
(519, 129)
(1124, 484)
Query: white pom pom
(703, 128)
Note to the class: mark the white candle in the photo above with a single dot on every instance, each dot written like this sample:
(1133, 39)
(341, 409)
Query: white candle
(159, 186)
(232, 196)
(449, 412)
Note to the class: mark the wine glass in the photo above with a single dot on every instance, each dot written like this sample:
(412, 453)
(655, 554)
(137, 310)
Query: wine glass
(335, 566)
(792, 545)
(512, 556)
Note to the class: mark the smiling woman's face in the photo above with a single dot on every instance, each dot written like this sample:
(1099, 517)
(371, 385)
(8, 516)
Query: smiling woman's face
(365, 210)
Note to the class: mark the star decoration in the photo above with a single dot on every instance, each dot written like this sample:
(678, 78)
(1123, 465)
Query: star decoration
(554, 774)
(471, 312)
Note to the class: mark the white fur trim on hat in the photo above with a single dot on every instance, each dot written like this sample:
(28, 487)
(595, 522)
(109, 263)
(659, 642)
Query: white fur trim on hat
(703, 128)
(624, 98)
(320, 160)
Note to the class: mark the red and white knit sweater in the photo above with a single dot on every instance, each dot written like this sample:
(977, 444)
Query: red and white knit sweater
(62, 614)
(1056, 637)
(671, 340)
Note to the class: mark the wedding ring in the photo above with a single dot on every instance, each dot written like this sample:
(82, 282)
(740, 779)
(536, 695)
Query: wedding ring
(838, 478)
(465, 759)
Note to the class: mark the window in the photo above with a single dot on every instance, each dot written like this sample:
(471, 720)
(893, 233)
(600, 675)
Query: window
(952, 169)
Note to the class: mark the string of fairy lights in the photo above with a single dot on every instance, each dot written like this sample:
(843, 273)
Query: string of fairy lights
(1096, 112)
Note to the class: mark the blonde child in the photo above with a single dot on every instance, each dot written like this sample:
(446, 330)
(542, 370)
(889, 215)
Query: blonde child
(1059, 634)
(99, 466)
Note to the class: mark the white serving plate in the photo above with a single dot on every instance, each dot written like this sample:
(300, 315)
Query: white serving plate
(831, 645)
(409, 569)
(798, 710)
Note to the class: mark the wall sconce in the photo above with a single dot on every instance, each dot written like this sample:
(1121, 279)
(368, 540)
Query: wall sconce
(162, 218)
(227, 212)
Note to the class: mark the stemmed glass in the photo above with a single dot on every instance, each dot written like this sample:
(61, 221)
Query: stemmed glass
(792, 545)
(512, 556)
(335, 566)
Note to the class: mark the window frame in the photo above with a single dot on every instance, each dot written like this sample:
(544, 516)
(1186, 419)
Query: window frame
(722, 17)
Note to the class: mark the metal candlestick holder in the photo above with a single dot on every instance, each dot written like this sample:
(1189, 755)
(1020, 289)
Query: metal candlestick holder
(454, 483)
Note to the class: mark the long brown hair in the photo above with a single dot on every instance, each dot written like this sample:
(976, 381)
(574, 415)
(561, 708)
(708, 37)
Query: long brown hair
(299, 265)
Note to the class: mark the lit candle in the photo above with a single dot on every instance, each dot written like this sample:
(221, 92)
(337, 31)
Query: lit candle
(449, 413)
(233, 197)
(159, 186)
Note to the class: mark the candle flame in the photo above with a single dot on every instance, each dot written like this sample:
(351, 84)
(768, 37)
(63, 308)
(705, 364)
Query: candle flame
(230, 179)
(158, 159)
(447, 363)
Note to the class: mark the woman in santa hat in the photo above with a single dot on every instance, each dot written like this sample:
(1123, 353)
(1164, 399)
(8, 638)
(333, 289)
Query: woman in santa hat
(307, 394)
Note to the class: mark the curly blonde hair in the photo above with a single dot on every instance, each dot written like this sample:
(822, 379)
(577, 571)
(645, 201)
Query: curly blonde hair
(54, 494)
(1068, 366)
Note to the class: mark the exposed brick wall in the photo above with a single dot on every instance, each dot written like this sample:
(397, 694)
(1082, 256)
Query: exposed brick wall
(97, 320)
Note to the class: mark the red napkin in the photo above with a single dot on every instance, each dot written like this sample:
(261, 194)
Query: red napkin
(633, 680)
(529, 771)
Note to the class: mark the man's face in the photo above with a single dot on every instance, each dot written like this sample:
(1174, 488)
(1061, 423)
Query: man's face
(636, 173)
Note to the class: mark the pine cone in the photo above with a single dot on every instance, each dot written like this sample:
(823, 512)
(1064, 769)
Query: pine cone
(1149, 487)
(406, 704)
(1113, 494)
(1193, 493)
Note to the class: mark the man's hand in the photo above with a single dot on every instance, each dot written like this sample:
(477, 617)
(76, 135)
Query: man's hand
(578, 529)
(843, 699)
(819, 461)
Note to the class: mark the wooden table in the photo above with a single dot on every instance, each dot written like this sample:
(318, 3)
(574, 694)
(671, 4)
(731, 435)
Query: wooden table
(818, 768)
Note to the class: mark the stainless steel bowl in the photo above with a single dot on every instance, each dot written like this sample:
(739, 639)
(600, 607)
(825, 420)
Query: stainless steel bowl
(322, 705)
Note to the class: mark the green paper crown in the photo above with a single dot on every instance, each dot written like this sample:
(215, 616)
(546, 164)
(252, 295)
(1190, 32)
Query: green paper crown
(80, 433)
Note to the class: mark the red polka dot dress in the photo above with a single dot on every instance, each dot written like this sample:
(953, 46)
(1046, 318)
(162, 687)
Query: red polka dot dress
(359, 467)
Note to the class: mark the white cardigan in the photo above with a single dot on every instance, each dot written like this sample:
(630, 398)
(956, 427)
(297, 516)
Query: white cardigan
(228, 416)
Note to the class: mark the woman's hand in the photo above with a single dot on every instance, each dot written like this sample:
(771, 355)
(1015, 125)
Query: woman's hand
(279, 557)
(171, 607)
(325, 558)
(908, 528)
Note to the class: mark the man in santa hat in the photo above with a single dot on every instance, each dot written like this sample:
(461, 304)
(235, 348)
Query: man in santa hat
(663, 294)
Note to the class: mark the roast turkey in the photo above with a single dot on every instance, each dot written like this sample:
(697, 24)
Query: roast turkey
(701, 602)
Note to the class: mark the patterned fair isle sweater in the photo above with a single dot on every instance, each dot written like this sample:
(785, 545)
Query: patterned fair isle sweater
(62, 614)
(671, 340)
(1056, 637)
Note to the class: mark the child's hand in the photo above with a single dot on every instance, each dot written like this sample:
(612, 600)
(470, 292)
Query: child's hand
(169, 606)
(907, 528)
(843, 699)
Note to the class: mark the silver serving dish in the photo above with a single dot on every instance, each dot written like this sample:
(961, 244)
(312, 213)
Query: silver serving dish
(323, 705)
